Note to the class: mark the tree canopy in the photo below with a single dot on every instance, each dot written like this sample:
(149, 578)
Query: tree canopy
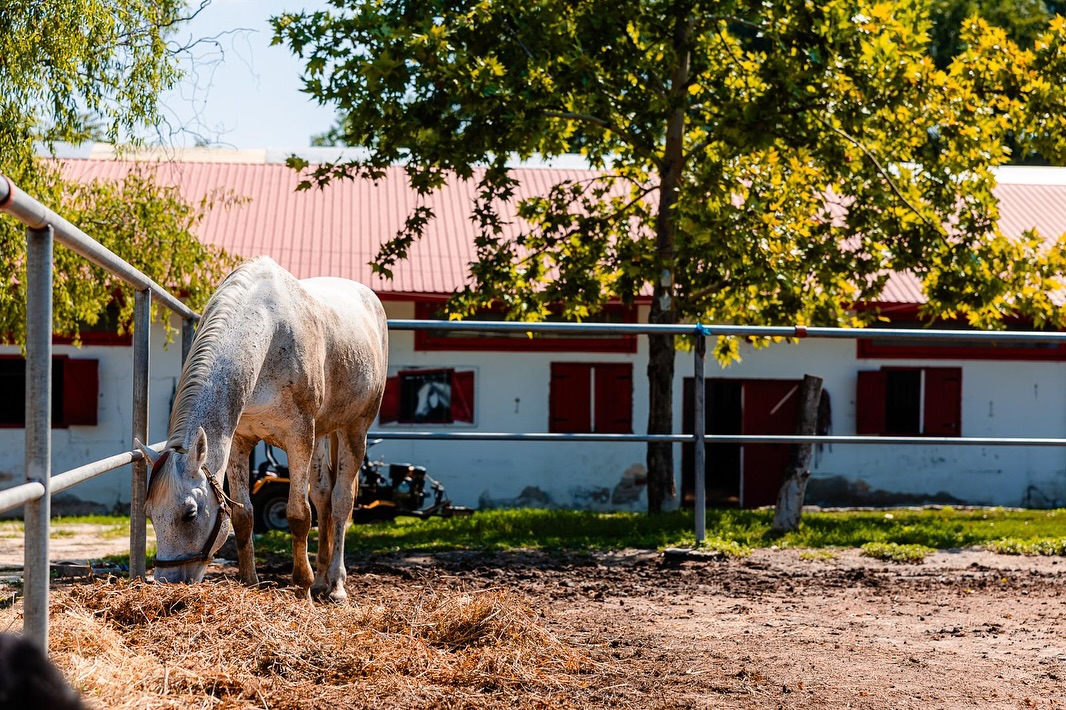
(761, 163)
(92, 69)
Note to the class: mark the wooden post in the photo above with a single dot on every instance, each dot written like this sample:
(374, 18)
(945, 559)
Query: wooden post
(794, 487)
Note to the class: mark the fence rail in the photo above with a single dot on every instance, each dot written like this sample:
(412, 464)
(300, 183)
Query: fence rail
(700, 332)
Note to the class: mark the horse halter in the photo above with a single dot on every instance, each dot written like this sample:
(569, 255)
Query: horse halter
(204, 555)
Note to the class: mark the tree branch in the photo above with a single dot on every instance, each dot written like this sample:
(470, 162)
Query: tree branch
(642, 150)
(880, 169)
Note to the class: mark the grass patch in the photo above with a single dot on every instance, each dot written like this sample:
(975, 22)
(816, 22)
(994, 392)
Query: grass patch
(732, 532)
(116, 520)
(894, 552)
(1014, 546)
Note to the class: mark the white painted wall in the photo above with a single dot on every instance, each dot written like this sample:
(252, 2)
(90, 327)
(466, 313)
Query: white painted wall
(1003, 399)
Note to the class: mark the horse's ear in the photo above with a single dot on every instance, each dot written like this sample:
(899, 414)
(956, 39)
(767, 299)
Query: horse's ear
(198, 452)
(150, 455)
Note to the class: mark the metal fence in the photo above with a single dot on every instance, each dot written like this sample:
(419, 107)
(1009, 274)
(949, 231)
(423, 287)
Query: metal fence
(700, 333)
(43, 226)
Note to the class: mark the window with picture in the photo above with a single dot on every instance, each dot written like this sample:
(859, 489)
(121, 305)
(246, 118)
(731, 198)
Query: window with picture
(909, 401)
(429, 396)
(589, 397)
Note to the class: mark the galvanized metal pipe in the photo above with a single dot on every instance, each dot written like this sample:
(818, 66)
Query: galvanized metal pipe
(744, 331)
(38, 430)
(718, 438)
(71, 478)
(11, 498)
(188, 331)
(699, 411)
(142, 346)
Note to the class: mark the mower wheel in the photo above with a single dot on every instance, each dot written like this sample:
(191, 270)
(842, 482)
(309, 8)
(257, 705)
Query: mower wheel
(269, 506)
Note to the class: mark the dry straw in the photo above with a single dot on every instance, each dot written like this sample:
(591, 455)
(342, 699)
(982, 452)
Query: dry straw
(223, 645)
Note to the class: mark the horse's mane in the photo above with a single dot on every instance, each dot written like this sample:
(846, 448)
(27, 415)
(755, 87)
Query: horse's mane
(216, 322)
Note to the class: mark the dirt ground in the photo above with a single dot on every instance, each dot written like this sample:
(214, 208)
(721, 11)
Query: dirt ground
(778, 629)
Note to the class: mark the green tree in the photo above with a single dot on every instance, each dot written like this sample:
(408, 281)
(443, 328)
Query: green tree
(1022, 20)
(81, 69)
(761, 163)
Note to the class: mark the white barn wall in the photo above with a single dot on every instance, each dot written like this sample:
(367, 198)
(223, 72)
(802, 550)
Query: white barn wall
(479, 472)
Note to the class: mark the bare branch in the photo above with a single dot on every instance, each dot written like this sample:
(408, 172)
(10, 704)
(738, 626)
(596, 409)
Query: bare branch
(880, 169)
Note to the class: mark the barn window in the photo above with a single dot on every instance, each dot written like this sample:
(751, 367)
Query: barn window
(431, 396)
(75, 392)
(591, 398)
(909, 401)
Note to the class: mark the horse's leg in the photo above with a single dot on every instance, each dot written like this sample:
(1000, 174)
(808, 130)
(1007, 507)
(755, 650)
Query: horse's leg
(323, 476)
(345, 492)
(241, 514)
(300, 448)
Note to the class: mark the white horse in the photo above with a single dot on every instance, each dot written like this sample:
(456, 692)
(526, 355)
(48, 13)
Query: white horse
(288, 362)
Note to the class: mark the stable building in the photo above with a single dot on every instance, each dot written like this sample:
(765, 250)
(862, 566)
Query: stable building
(459, 381)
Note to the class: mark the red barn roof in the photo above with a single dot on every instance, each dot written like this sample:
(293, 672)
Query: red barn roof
(337, 231)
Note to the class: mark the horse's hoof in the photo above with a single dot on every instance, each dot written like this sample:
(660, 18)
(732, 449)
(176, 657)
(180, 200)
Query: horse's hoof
(338, 596)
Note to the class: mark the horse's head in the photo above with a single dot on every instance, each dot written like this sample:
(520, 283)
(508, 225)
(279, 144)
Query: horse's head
(188, 511)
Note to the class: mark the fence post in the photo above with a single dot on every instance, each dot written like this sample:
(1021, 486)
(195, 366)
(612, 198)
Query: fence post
(188, 330)
(142, 341)
(698, 434)
(38, 430)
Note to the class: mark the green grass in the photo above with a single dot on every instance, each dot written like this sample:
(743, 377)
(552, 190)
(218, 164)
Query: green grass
(895, 552)
(898, 532)
(112, 520)
(730, 531)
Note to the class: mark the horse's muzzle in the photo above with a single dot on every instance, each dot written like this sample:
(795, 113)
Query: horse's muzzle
(188, 573)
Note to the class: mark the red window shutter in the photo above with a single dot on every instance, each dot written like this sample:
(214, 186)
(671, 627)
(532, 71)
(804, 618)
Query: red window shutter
(81, 392)
(390, 401)
(613, 386)
(570, 398)
(943, 401)
(462, 401)
(870, 403)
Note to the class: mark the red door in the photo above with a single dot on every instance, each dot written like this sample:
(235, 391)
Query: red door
(767, 407)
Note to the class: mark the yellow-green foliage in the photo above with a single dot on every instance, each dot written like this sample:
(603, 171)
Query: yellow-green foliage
(93, 69)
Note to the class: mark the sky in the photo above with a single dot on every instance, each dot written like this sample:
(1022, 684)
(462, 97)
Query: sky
(240, 92)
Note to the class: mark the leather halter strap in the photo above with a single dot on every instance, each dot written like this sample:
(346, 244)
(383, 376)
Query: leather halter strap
(204, 555)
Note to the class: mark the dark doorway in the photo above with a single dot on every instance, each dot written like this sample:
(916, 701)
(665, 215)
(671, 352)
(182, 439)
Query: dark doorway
(740, 476)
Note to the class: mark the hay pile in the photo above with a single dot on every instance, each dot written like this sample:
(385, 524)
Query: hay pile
(220, 644)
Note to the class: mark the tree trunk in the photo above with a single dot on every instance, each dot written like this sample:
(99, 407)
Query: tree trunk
(661, 486)
(790, 497)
